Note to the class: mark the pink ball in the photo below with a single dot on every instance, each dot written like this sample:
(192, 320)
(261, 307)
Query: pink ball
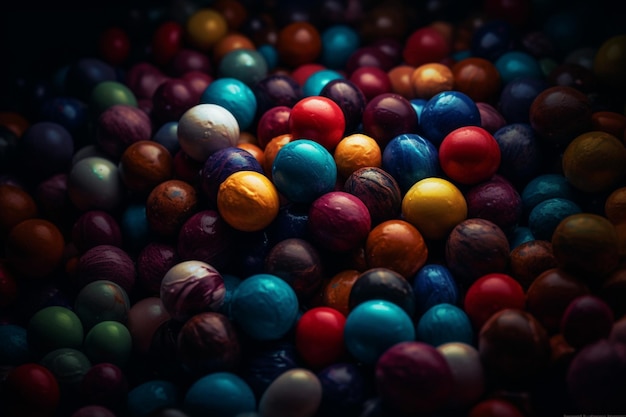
(339, 221)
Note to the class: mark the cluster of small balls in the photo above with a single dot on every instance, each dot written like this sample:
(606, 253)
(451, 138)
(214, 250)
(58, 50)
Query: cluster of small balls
(320, 209)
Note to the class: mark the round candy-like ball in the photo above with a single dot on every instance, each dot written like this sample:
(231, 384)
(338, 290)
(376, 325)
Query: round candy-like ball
(378, 189)
(410, 158)
(144, 317)
(478, 78)
(425, 45)
(220, 393)
(246, 65)
(430, 79)
(169, 205)
(356, 151)
(444, 323)
(344, 389)
(101, 300)
(490, 294)
(516, 64)
(191, 287)
(96, 227)
(151, 396)
(319, 336)
(298, 43)
(54, 327)
(248, 201)
(529, 259)
(205, 237)
(496, 200)
(519, 152)
(350, 98)
(382, 284)
(206, 128)
(120, 126)
(303, 170)
(69, 367)
(517, 97)
(338, 43)
(319, 119)
(144, 165)
(31, 389)
(104, 384)
(445, 112)
(544, 218)
(609, 61)
(16, 206)
(205, 27)
(318, 80)
(388, 115)
(336, 292)
(468, 379)
(544, 187)
(46, 149)
(106, 262)
(434, 284)
(107, 94)
(94, 183)
(108, 341)
(297, 392)
(264, 306)
(434, 206)
(235, 96)
(587, 319)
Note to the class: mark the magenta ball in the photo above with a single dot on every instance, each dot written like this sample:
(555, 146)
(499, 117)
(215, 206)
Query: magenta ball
(96, 227)
(274, 122)
(468, 379)
(587, 319)
(339, 221)
(206, 237)
(413, 377)
(119, 126)
(106, 262)
(192, 287)
(104, 384)
(153, 261)
(496, 200)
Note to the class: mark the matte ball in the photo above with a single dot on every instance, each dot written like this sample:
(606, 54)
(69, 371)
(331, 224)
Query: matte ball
(343, 389)
(529, 259)
(234, 96)
(319, 119)
(54, 327)
(34, 248)
(119, 126)
(520, 154)
(206, 237)
(69, 367)
(517, 97)
(191, 287)
(94, 183)
(544, 218)
(206, 128)
(106, 262)
(378, 190)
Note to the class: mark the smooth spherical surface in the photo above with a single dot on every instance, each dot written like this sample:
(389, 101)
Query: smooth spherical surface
(444, 323)
(350, 98)
(520, 154)
(144, 165)
(529, 259)
(319, 336)
(144, 317)
(295, 392)
(516, 64)
(388, 115)
(34, 248)
(31, 389)
(425, 45)
(316, 82)
(430, 79)
(96, 227)
(445, 112)
(298, 43)
(378, 190)
(169, 205)
(205, 237)
(119, 126)
(46, 149)
(16, 206)
(205, 27)
(544, 218)
(432, 285)
(246, 65)
(356, 151)
(490, 294)
(94, 183)
(586, 320)
(53, 328)
(468, 379)
(220, 393)
(319, 119)
(234, 96)
(101, 300)
(108, 341)
(336, 292)
(496, 200)
(383, 284)
(610, 61)
(338, 43)
(107, 94)
(478, 78)
(410, 158)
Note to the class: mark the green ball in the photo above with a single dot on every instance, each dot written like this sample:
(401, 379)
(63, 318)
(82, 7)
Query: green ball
(53, 328)
(246, 65)
(69, 366)
(102, 300)
(109, 341)
(109, 93)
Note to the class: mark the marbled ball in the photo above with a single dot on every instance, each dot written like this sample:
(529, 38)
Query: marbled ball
(445, 112)
(101, 300)
(410, 158)
(106, 262)
(383, 284)
(349, 98)
(378, 190)
(520, 154)
(169, 205)
(119, 126)
(530, 259)
(206, 237)
(432, 285)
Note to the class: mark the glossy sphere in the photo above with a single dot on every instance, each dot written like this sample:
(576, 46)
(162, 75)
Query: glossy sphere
(546, 186)
(350, 98)
(68, 366)
(374, 326)
(520, 154)
(31, 389)
(397, 245)
(319, 119)
(372, 81)
(425, 45)
(338, 43)
(468, 380)
(434, 206)
(184, 61)
(205, 27)
(276, 90)
(383, 284)
(144, 165)
(143, 78)
(303, 170)
(476, 247)
(478, 78)
(208, 342)
(387, 116)
(273, 123)
(410, 158)
(265, 306)
(610, 61)
(319, 336)
(34, 248)
(430, 79)
(220, 393)
(356, 151)
(615, 206)
(119, 126)
(432, 285)
(378, 190)
(444, 323)
(490, 294)
(595, 162)
(230, 42)
(610, 122)
(495, 407)
(445, 112)
(297, 262)
(318, 80)
(166, 41)
(106, 262)
(246, 65)
(298, 43)
(469, 155)
(544, 218)
(46, 149)
(101, 300)
(529, 259)
(490, 118)
(587, 245)
(413, 377)
(336, 292)
(54, 327)
(96, 227)
(150, 396)
(144, 317)
(297, 392)
(339, 221)
(111, 93)
(559, 114)
(206, 128)
(400, 78)
(343, 388)
(517, 96)
(104, 384)
(515, 64)
(586, 320)
(234, 96)
(93, 183)
(191, 287)
(246, 210)
(169, 205)
(205, 237)
(496, 200)
(108, 341)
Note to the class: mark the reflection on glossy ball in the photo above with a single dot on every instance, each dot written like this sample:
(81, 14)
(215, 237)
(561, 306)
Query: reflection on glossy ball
(468, 380)
(94, 183)
(220, 393)
(296, 392)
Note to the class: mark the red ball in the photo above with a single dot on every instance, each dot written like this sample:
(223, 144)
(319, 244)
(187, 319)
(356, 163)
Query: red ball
(114, 45)
(372, 81)
(495, 407)
(302, 73)
(30, 389)
(166, 42)
(318, 119)
(425, 45)
(490, 294)
(469, 155)
(319, 336)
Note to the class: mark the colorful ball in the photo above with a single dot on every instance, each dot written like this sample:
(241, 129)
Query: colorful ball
(319, 336)
(609, 61)
(46, 148)
(104, 384)
(410, 158)
(430, 79)
(351, 100)
(234, 96)
(298, 43)
(338, 43)
(169, 205)
(388, 115)
(336, 292)
(444, 323)
(378, 190)
(205, 237)
(383, 284)
(432, 285)
(316, 82)
(109, 341)
(246, 65)
(520, 155)
(343, 389)
(205, 27)
(31, 389)
(356, 151)
(445, 112)
(101, 300)
(544, 218)
(119, 126)
(496, 200)
(152, 395)
(468, 379)
(106, 262)
(54, 327)
(586, 320)
(318, 119)
(544, 187)
(490, 294)
(220, 393)
(94, 183)
(296, 391)
(69, 366)
(515, 64)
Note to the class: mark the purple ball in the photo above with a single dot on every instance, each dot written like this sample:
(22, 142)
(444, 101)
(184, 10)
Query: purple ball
(388, 115)
(153, 262)
(490, 118)
(96, 227)
(187, 60)
(119, 126)
(517, 96)
(93, 411)
(586, 320)
(172, 98)
(519, 152)
(378, 190)
(276, 90)
(106, 262)
(495, 200)
(339, 221)
(349, 97)
(45, 149)
(192, 287)
(413, 377)
(143, 78)
(206, 237)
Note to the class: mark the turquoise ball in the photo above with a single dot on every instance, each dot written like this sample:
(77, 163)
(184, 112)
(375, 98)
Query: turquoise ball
(235, 96)
(223, 394)
(338, 43)
(317, 81)
(445, 323)
(246, 65)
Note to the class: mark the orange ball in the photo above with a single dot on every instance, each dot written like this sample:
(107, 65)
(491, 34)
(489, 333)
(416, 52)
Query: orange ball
(233, 11)
(336, 292)
(169, 205)
(396, 245)
(356, 151)
(478, 78)
(231, 42)
(431, 79)
(298, 43)
(271, 149)
(34, 248)
(400, 78)
(610, 122)
(15, 122)
(144, 165)
(205, 27)
(615, 206)
(255, 150)
(16, 205)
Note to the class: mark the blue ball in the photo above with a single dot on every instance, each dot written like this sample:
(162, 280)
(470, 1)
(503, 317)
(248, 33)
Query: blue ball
(374, 326)
(47, 149)
(266, 362)
(270, 53)
(234, 96)
(410, 158)
(303, 170)
(546, 216)
(223, 394)
(338, 43)
(521, 234)
(517, 96)
(434, 284)
(167, 135)
(246, 65)
(150, 396)
(344, 389)
(445, 323)
(516, 64)
(264, 306)
(492, 39)
(519, 151)
(317, 81)
(69, 112)
(14, 347)
(445, 112)
(544, 187)
(135, 227)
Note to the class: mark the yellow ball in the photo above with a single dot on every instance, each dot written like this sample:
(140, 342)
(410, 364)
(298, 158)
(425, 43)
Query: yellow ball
(434, 206)
(205, 28)
(356, 151)
(248, 201)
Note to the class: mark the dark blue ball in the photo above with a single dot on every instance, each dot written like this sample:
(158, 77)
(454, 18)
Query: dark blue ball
(291, 222)
(410, 158)
(434, 284)
(69, 112)
(520, 154)
(266, 361)
(344, 388)
(84, 74)
(445, 112)
(46, 148)
(492, 39)
(517, 96)
(167, 135)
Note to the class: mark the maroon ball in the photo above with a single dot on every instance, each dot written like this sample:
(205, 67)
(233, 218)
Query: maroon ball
(490, 118)
(372, 81)
(208, 342)
(153, 261)
(529, 260)
(387, 116)
(96, 227)
(496, 200)
(297, 262)
(476, 247)
(93, 411)
(368, 56)
(206, 237)
(106, 262)
(187, 60)
(143, 78)
(378, 190)
(586, 319)
(274, 122)
(119, 126)
(104, 384)
(276, 90)
(171, 99)
(198, 81)
(339, 221)
(413, 377)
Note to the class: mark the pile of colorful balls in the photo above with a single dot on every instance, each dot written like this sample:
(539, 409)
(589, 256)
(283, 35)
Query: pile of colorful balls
(331, 208)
